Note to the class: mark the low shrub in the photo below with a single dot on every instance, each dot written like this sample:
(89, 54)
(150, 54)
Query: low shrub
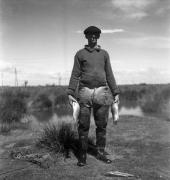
(155, 102)
(5, 128)
(61, 99)
(130, 95)
(12, 106)
(42, 102)
(58, 138)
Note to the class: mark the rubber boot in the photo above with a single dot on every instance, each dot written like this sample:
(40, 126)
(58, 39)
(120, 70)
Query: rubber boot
(83, 151)
(101, 155)
(82, 159)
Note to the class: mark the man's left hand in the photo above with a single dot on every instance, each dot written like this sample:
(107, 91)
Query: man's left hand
(116, 99)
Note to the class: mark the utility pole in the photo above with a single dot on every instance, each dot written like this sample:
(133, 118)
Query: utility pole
(25, 83)
(16, 79)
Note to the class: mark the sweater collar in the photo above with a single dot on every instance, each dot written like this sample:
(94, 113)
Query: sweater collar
(97, 48)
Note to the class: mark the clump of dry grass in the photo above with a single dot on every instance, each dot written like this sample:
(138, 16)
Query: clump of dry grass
(63, 138)
(60, 138)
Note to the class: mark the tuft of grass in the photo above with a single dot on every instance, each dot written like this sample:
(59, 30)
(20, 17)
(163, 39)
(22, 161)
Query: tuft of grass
(63, 138)
(60, 138)
(49, 138)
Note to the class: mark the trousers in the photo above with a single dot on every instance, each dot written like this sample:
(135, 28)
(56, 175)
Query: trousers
(99, 99)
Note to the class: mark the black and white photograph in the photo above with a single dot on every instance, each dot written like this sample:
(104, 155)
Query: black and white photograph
(85, 89)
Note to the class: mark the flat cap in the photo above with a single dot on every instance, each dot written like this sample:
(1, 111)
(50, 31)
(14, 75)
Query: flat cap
(92, 30)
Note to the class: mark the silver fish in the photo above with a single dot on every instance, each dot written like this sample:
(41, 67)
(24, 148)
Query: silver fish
(76, 110)
(115, 112)
(118, 174)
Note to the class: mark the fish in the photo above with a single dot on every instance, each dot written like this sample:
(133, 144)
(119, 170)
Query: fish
(115, 112)
(76, 110)
(118, 174)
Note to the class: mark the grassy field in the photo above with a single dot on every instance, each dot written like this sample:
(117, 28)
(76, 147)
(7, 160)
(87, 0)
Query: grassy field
(138, 145)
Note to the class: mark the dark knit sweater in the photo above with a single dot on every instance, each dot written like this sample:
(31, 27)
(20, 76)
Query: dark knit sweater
(92, 69)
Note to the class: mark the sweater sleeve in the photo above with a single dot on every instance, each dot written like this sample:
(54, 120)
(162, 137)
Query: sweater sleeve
(75, 75)
(110, 77)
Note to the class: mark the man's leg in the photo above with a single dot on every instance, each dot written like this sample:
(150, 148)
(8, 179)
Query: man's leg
(101, 118)
(83, 129)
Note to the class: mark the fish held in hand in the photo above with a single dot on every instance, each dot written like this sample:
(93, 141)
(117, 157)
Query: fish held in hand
(76, 110)
(115, 112)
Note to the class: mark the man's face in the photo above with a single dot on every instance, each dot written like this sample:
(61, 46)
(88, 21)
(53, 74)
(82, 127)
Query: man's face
(92, 38)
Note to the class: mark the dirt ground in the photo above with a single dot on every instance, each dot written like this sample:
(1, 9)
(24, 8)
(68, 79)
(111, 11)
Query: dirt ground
(138, 145)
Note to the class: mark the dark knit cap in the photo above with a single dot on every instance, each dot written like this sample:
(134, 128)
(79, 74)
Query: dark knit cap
(92, 30)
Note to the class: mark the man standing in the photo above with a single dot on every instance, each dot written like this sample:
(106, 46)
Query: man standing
(97, 89)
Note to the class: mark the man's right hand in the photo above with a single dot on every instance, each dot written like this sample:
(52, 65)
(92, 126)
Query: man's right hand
(71, 99)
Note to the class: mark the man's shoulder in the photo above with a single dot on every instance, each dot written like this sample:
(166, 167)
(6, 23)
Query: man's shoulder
(103, 50)
(80, 51)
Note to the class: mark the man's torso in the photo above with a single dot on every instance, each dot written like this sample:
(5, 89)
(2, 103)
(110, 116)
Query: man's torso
(92, 65)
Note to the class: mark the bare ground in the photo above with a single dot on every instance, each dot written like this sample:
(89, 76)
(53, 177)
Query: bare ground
(139, 145)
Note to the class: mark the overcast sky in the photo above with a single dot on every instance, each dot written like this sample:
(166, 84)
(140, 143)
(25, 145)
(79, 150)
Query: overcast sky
(40, 38)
